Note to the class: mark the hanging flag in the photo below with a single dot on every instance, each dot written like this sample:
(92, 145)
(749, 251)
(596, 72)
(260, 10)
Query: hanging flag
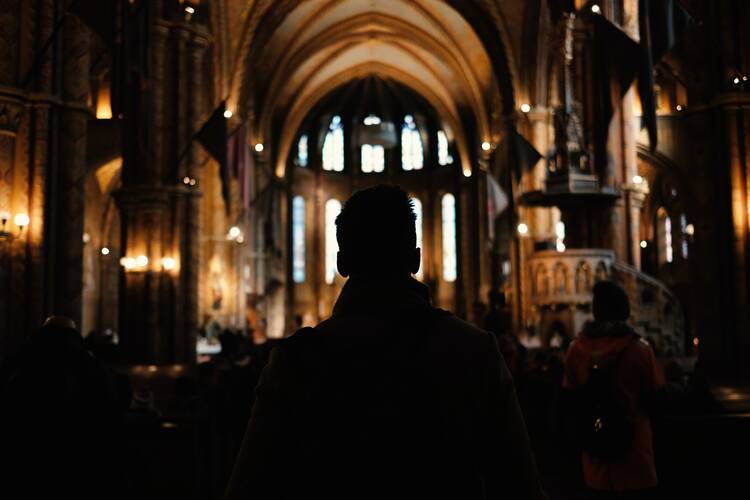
(520, 154)
(99, 15)
(497, 202)
(213, 137)
(662, 24)
(239, 159)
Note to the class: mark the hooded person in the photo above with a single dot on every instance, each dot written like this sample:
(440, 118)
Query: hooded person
(609, 341)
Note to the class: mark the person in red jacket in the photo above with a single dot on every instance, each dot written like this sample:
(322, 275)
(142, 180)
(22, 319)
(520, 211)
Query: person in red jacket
(608, 339)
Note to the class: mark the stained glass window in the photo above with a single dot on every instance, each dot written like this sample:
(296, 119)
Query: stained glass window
(333, 146)
(412, 153)
(444, 157)
(449, 237)
(302, 151)
(373, 158)
(418, 226)
(332, 210)
(298, 239)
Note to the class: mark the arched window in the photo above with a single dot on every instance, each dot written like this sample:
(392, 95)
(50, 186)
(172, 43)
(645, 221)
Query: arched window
(333, 208)
(664, 236)
(418, 226)
(684, 236)
(333, 146)
(560, 234)
(412, 154)
(302, 151)
(298, 239)
(444, 157)
(373, 158)
(449, 237)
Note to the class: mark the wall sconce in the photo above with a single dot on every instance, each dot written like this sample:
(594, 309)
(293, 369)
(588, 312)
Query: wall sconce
(21, 220)
(168, 263)
(128, 263)
(139, 263)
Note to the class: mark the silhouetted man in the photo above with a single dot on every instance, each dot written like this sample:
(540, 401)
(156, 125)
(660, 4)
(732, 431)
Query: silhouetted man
(390, 397)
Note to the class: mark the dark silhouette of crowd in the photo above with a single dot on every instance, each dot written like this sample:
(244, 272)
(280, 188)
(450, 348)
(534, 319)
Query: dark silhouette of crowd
(390, 397)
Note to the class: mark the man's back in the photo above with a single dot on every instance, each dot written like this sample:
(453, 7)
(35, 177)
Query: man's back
(389, 398)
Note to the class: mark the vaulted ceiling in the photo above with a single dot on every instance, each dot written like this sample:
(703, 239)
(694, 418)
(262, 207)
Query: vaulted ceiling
(287, 55)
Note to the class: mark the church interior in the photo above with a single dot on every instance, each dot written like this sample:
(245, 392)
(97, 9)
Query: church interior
(171, 172)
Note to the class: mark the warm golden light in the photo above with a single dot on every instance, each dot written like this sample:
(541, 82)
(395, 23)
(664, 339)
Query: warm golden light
(690, 230)
(141, 261)
(168, 263)
(696, 342)
(234, 232)
(525, 108)
(523, 229)
(486, 146)
(596, 9)
(644, 243)
(637, 179)
(4, 216)
(105, 251)
(22, 220)
(467, 172)
(128, 263)
(228, 113)
(259, 147)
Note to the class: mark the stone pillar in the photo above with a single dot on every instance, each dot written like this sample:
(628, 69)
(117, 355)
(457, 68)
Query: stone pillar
(161, 215)
(68, 255)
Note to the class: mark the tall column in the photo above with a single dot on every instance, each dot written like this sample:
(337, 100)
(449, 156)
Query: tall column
(72, 169)
(159, 214)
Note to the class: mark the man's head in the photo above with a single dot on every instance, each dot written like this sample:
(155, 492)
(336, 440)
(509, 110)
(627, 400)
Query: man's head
(610, 302)
(377, 235)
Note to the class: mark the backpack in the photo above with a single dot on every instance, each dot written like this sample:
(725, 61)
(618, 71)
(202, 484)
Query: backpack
(603, 421)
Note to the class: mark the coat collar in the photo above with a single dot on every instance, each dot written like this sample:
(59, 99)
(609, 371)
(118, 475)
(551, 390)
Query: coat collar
(382, 296)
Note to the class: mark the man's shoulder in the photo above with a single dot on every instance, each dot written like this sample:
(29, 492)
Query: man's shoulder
(461, 333)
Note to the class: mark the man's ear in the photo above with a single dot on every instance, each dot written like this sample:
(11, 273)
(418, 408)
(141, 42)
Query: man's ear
(342, 263)
(416, 260)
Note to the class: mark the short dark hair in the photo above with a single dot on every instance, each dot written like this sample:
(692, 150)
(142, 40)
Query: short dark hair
(610, 302)
(377, 230)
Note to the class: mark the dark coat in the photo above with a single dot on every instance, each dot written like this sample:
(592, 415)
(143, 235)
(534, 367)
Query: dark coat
(389, 398)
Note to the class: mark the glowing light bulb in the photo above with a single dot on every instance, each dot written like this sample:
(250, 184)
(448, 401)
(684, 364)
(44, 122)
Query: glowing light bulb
(525, 108)
(644, 243)
(486, 146)
(22, 220)
(259, 147)
(186, 180)
(467, 173)
(523, 229)
(4, 216)
(168, 263)
(637, 179)
(736, 80)
(596, 9)
(678, 107)
(141, 261)
(690, 230)
(128, 263)
(190, 9)
(228, 113)
(234, 232)
(105, 251)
